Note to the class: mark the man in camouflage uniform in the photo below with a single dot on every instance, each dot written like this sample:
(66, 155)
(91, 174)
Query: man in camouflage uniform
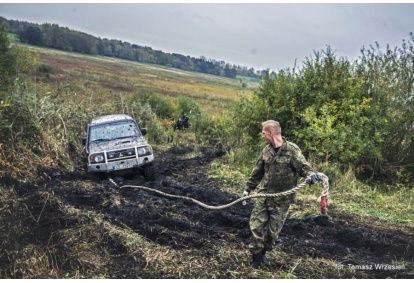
(277, 170)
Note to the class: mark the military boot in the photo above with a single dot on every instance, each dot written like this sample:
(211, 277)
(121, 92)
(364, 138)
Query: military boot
(257, 260)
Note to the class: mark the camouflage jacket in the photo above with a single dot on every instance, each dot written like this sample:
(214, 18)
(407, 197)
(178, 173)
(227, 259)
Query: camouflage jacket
(279, 172)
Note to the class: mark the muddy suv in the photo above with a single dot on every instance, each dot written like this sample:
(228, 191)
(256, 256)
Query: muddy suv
(115, 144)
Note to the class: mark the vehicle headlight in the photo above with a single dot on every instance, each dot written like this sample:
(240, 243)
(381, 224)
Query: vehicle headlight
(143, 151)
(97, 158)
(112, 155)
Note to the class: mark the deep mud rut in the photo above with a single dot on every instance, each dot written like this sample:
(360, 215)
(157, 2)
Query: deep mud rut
(182, 225)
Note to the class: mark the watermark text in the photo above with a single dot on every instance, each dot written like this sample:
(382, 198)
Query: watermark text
(371, 266)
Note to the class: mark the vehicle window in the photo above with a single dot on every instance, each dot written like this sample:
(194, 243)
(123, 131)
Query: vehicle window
(113, 131)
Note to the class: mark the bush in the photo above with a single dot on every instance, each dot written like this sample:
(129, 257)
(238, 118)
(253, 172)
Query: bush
(44, 68)
(351, 113)
(162, 106)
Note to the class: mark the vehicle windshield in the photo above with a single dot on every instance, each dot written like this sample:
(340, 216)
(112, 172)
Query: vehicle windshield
(112, 131)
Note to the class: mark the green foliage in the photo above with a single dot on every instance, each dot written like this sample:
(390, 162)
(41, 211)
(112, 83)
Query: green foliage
(16, 124)
(213, 131)
(157, 133)
(20, 135)
(7, 61)
(161, 113)
(15, 63)
(336, 111)
(162, 106)
(13, 38)
(188, 107)
(230, 72)
(32, 35)
(388, 79)
(35, 133)
(44, 68)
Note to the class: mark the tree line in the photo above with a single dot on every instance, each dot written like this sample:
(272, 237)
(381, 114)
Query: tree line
(63, 38)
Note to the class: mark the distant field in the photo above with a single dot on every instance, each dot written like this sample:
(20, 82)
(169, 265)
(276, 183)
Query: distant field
(90, 75)
(248, 79)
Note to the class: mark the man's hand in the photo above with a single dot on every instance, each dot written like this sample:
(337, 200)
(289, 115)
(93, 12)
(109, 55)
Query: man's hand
(314, 178)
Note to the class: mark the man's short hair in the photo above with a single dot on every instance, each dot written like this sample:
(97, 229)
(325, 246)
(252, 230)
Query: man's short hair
(273, 126)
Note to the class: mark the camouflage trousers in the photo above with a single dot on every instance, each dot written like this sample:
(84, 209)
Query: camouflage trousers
(266, 222)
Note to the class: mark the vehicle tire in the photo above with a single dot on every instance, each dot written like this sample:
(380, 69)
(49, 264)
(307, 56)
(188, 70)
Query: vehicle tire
(149, 172)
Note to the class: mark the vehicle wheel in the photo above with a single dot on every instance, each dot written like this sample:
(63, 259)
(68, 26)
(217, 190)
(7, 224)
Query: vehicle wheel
(149, 172)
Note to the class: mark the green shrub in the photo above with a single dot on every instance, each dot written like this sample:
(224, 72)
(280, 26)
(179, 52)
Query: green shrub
(44, 68)
(162, 106)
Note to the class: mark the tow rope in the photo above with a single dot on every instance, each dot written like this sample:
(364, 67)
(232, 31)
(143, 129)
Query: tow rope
(323, 202)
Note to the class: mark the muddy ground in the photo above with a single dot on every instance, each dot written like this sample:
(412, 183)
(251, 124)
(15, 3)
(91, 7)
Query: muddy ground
(182, 226)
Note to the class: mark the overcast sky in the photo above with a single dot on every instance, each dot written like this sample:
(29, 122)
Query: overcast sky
(261, 36)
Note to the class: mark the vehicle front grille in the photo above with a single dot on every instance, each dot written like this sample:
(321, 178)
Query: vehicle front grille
(121, 154)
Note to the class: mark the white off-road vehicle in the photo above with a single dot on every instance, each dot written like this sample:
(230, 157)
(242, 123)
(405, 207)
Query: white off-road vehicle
(115, 144)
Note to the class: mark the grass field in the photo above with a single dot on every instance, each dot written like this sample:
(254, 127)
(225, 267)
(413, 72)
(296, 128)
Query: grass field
(94, 75)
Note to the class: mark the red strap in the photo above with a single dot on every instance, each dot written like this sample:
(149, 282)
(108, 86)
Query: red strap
(324, 204)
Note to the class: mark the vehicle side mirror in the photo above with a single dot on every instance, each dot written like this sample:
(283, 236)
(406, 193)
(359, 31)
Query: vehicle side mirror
(143, 131)
(84, 141)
